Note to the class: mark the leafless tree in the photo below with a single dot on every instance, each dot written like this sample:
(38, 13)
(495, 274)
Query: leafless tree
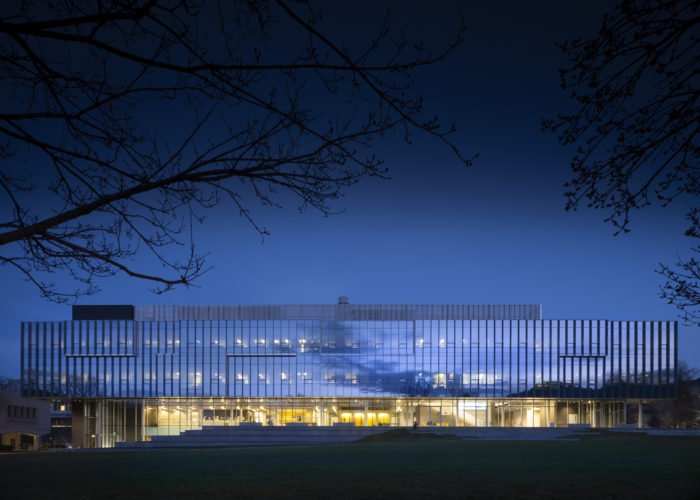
(124, 120)
(683, 411)
(637, 120)
(682, 286)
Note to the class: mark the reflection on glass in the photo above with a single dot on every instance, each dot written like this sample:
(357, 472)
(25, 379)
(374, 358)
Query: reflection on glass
(159, 375)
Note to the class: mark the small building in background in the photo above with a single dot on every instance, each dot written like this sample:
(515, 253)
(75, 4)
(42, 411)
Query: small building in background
(23, 421)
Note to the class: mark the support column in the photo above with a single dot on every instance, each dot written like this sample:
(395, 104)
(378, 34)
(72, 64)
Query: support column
(578, 404)
(521, 414)
(142, 427)
(77, 420)
(98, 443)
(595, 415)
(640, 422)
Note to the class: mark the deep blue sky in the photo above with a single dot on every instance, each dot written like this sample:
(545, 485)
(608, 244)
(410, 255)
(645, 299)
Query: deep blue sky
(439, 232)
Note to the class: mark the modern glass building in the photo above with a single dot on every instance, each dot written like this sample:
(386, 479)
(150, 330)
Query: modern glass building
(132, 372)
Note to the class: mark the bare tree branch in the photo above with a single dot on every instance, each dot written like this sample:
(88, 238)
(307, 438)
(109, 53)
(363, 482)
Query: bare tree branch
(130, 117)
(637, 122)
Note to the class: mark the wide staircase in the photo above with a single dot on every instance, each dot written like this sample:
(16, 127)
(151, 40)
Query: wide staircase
(258, 435)
(251, 434)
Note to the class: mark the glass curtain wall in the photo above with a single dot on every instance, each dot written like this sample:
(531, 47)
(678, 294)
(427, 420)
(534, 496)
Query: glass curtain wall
(109, 421)
(594, 359)
(137, 379)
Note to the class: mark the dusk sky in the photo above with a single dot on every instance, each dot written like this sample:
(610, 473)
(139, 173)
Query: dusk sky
(437, 232)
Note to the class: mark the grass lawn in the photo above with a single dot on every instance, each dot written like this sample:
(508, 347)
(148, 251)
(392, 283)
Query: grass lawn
(623, 466)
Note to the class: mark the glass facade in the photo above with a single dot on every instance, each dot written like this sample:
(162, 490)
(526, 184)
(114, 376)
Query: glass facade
(167, 375)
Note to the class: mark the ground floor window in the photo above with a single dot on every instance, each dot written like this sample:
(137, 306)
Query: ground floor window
(107, 421)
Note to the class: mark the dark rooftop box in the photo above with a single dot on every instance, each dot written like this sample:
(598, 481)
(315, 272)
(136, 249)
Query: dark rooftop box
(102, 312)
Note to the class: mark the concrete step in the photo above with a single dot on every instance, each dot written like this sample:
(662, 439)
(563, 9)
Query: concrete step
(255, 435)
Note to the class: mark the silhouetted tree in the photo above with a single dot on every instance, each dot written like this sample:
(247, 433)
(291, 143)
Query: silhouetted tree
(132, 117)
(682, 287)
(636, 126)
(681, 412)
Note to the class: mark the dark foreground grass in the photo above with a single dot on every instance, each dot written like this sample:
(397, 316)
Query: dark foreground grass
(606, 467)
